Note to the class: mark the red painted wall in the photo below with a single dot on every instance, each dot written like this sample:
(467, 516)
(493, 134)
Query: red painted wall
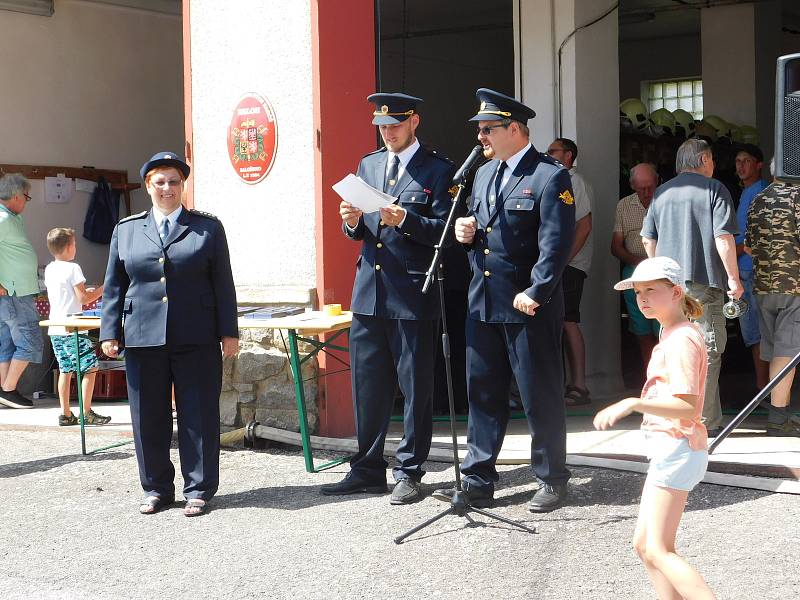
(343, 46)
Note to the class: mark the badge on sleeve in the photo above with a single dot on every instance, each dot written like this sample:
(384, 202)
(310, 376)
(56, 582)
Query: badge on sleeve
(566, 197)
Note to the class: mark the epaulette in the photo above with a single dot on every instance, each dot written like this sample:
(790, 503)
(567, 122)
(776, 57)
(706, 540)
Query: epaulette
(550, 160)
(435, 154)
(200, 213)
(432, 152)
(383, 149)
(136, 216)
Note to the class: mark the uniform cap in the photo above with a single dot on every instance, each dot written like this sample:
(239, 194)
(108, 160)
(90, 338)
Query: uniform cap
(164, 159)
(495, 106)
(392, 108)
(652, 269)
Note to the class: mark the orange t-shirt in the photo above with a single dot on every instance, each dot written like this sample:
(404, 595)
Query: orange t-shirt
(678, 365)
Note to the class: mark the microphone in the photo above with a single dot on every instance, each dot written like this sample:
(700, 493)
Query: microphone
(473, 157)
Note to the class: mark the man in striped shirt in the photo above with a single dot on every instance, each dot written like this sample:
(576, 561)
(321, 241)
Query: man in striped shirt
(626, 245)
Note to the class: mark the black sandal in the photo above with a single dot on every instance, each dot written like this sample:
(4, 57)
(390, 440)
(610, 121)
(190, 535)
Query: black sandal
(153, 504)
(195, 507)
(576, 396)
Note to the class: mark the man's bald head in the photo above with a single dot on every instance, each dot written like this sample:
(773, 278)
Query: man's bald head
(644, 179)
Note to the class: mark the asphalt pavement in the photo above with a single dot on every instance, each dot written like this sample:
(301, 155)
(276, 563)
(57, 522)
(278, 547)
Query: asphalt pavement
(70, 528)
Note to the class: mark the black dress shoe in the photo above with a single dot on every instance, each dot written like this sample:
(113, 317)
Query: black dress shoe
(353, 485)
(14, 399)
(406, 491)
(475, 496)
(548, 497)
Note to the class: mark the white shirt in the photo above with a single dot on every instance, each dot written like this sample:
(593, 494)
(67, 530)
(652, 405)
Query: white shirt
(173, 217)
(60, 277)
(512, 163)
(583, 195)
(404, 157)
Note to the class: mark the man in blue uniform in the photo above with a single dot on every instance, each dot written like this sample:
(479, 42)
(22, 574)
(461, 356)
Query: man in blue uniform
(394, 331)
(520, 232)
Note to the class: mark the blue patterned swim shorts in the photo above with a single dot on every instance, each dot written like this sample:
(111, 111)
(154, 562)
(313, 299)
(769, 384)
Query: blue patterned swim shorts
(64, 349)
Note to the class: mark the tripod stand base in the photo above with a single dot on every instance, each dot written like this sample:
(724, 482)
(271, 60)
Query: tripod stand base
(461, 508)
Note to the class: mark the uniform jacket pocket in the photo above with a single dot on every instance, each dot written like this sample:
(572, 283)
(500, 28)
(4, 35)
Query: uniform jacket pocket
(414, 197)
(522, 203)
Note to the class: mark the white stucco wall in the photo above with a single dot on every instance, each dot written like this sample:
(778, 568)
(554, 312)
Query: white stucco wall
(542, 25)
(83, 88)
(729, 62)
(597, 136)
(261, 47)
(590, 100)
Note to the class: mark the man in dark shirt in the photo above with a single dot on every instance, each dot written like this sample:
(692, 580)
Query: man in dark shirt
(692, 221)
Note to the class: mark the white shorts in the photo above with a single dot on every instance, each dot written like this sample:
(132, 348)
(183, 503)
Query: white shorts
(673, 464)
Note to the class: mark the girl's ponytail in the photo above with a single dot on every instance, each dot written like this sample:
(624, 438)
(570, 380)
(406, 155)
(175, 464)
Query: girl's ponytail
(691, 307)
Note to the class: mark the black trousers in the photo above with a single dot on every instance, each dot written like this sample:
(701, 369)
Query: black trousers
(532, 353)
(196, 373)
(385, 353)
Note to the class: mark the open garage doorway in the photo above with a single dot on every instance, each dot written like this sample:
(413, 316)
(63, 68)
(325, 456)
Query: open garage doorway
(442, 52)
(714, 62)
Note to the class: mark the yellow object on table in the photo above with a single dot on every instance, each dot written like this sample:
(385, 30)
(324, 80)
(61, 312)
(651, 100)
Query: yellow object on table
(333, 310)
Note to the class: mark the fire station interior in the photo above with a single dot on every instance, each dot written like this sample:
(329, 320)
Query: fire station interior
(442, 51)
(662, 63)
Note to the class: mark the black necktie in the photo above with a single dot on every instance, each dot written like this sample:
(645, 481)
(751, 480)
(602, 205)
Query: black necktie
(498, 184)
(391, 176)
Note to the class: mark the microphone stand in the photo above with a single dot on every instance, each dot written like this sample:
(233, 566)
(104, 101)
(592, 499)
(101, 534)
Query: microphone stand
(459, 505)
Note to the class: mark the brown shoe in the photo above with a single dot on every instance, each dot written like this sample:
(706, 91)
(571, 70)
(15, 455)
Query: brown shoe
(64, 420)
(576, 396)
(92, 418)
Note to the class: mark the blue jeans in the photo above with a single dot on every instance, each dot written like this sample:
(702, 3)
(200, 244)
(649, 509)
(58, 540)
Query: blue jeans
(748, 322)
(20, 336)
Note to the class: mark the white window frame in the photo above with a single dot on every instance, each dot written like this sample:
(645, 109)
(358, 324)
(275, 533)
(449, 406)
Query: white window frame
(674, 94)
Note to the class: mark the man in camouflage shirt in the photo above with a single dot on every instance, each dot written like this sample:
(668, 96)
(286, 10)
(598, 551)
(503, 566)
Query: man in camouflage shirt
(773, 240)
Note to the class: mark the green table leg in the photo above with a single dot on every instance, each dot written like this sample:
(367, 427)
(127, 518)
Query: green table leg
(300, 395)
(79, 385)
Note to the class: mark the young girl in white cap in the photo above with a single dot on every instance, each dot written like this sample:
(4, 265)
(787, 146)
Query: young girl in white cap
(677, 442)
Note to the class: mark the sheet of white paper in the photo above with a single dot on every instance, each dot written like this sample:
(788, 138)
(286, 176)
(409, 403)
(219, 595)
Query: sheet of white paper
(84, 185)
(362, 195)
(58, 190)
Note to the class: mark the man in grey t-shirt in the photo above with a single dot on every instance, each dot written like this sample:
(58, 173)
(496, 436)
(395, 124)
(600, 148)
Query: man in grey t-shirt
(692, 220)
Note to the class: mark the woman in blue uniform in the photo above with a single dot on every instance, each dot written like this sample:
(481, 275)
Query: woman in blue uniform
(169, 300)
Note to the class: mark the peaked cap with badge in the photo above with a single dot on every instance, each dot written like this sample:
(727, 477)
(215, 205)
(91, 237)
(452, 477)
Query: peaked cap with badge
(392, 108)
(495, 106)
